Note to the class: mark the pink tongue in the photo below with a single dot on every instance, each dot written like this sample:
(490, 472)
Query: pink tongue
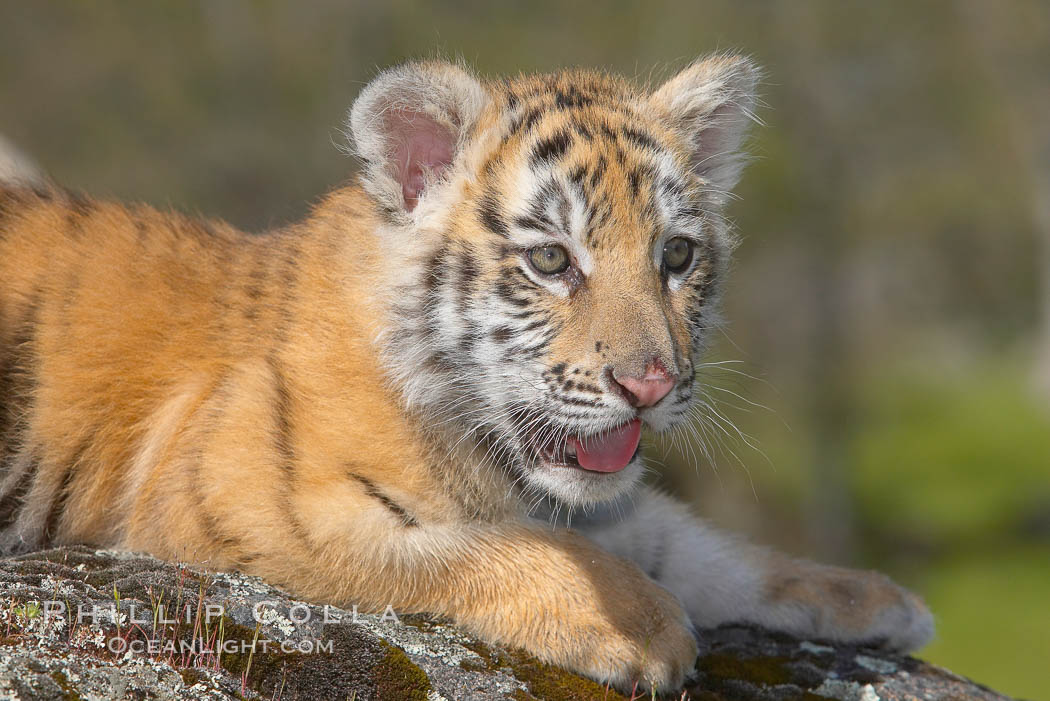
(608, 452)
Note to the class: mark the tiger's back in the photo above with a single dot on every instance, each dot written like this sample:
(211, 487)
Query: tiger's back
(104, 311)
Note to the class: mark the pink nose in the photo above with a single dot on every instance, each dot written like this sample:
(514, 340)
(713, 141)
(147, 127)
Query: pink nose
(647, 390)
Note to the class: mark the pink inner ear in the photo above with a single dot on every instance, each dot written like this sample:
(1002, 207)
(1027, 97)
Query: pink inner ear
(421, 145)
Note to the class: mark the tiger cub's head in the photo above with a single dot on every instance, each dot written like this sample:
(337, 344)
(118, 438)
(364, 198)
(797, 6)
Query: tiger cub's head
(555, 247)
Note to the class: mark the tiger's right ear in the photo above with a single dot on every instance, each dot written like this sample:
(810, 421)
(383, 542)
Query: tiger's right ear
(409, 124)
(711, 103)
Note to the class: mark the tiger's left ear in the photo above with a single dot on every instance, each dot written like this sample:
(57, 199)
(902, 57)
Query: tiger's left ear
(710, 104)
(409, 124)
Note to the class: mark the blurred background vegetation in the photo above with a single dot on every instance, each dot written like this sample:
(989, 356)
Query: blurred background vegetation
(887, 353)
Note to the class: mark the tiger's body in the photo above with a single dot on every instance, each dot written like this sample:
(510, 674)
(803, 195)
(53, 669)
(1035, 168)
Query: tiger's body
(363, 406)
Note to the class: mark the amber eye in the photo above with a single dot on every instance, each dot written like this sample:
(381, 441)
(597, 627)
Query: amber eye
(549, 260)
(678, 254)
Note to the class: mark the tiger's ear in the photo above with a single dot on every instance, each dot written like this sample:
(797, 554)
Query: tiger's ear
(710, 103)
(408, 125)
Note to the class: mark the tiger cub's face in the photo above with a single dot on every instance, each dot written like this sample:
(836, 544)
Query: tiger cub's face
(567, 249)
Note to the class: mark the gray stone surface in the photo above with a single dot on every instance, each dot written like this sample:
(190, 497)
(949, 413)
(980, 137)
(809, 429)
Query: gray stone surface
(230, 636)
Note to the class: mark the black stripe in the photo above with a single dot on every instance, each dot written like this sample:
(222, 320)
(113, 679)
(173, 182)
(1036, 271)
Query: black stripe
(564, 212)
(468, 274)
(577, 175)
(44, 194)
(502, 250)
(373, 491)
(468, 341)
(441, 362)
(634, 178)
(550, 194)
(639, 138)
(282, 407)
(491, 163)
(673, 187)
(213, 531)
(13, 499)
(141, 230)
(525, 121)
(81, 205)
(11, 200)
(18, 377)
(434, 274)
(209, 524)
(572, 98)
(604, 214)
(520, 277)
(529, 352)
(501, 334)
(524, 314)
(552, 148)
(599, 171)
(61, 495)
(289, 281)
(576, 401)
(80, 208)
(506, 291)
(491, 216)
(512, 99)
(711, 256)
(534, 325)
(284, 443)
(256, 286)
(536, 223)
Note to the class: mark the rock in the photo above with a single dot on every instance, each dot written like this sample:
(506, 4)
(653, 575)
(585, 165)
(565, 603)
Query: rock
(164, 631)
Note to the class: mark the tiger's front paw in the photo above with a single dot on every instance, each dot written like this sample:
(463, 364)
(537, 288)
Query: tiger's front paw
(845, 605)
(651, 646)
(637, 636)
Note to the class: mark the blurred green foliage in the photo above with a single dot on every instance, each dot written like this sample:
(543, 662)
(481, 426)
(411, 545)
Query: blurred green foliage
(992, 616)
(891, 299)
(931, 443)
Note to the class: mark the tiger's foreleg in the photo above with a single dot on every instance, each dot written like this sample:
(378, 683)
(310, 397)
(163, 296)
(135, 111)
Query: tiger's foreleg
(722, 579)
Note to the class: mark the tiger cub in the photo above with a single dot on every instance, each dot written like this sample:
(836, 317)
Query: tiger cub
(363, 406)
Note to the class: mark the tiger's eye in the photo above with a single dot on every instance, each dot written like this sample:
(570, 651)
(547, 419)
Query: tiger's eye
(549, 260)
(678, 254)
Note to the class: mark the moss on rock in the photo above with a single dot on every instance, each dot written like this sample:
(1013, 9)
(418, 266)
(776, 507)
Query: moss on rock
(397, 677)
(67, 689)
(760, 670)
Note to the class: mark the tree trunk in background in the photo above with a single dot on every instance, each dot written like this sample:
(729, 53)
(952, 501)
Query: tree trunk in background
(1040, 169)
(831, 517)
(1042, 207)
(1010, 68)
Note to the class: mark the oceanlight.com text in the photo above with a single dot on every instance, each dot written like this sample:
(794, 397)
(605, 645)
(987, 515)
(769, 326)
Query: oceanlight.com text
(199, 646)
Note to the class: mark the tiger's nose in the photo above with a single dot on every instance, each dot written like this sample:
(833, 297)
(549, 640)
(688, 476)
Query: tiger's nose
(648, 389)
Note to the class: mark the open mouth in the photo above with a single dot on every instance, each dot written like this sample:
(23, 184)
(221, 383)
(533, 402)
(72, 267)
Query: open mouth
(609, 451)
